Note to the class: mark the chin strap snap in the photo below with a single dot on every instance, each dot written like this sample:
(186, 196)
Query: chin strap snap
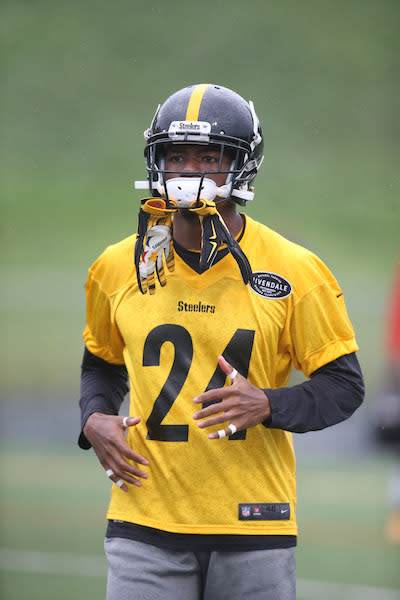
(154, 241)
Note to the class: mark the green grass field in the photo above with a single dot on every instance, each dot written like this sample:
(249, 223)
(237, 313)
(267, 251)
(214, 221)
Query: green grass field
(53, 505)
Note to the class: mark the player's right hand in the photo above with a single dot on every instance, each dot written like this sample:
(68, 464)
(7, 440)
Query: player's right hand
(106, 434)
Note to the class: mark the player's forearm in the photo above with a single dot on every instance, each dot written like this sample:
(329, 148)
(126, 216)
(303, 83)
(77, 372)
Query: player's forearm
(332, 394)
(103, 387)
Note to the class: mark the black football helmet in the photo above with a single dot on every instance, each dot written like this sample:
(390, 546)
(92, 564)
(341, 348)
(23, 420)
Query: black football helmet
(205, 114)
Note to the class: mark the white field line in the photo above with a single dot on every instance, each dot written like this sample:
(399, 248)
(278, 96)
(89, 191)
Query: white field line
(46, 563)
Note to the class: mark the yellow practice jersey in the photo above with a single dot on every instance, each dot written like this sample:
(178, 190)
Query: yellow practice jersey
(292, 314)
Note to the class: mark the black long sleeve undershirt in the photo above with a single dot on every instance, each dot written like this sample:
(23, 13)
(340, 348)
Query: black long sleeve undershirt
(103, 388)
(332, 394)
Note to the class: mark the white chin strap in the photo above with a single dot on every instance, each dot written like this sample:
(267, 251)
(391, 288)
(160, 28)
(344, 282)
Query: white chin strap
(185, 190)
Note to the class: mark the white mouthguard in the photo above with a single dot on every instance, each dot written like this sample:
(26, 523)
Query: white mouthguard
(185, 190)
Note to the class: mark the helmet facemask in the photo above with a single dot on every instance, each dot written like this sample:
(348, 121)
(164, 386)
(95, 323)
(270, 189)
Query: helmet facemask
(167, 182)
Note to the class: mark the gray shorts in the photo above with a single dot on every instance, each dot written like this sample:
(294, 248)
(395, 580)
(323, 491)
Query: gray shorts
(139, 571)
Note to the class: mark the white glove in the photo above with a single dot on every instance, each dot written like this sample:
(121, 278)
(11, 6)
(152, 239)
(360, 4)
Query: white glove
(158, 243)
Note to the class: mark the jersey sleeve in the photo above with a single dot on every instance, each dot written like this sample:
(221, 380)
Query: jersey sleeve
(101, 334)
(320, 328)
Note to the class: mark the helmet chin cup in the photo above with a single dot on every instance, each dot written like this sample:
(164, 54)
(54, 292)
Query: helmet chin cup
(185, 191)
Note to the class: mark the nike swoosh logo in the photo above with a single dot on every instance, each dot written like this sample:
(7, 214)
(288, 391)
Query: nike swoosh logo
(214, 244)
(283, 511)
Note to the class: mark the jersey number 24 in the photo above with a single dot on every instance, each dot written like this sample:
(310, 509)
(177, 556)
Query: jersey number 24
(237, 353)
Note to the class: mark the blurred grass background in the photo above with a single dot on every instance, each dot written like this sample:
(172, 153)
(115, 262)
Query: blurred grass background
(80, 83)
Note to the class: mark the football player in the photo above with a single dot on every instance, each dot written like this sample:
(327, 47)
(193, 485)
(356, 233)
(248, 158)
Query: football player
(207, 311)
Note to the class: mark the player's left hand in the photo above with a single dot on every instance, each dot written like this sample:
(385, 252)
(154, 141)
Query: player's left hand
(242, 404)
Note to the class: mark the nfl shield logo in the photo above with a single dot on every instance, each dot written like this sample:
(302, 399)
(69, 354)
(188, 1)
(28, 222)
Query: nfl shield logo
(245, 511)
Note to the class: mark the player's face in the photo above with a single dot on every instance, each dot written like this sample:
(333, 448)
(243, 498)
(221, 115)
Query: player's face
(189, 159)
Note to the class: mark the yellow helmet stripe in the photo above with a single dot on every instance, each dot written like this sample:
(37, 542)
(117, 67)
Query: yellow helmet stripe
(193, 109)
